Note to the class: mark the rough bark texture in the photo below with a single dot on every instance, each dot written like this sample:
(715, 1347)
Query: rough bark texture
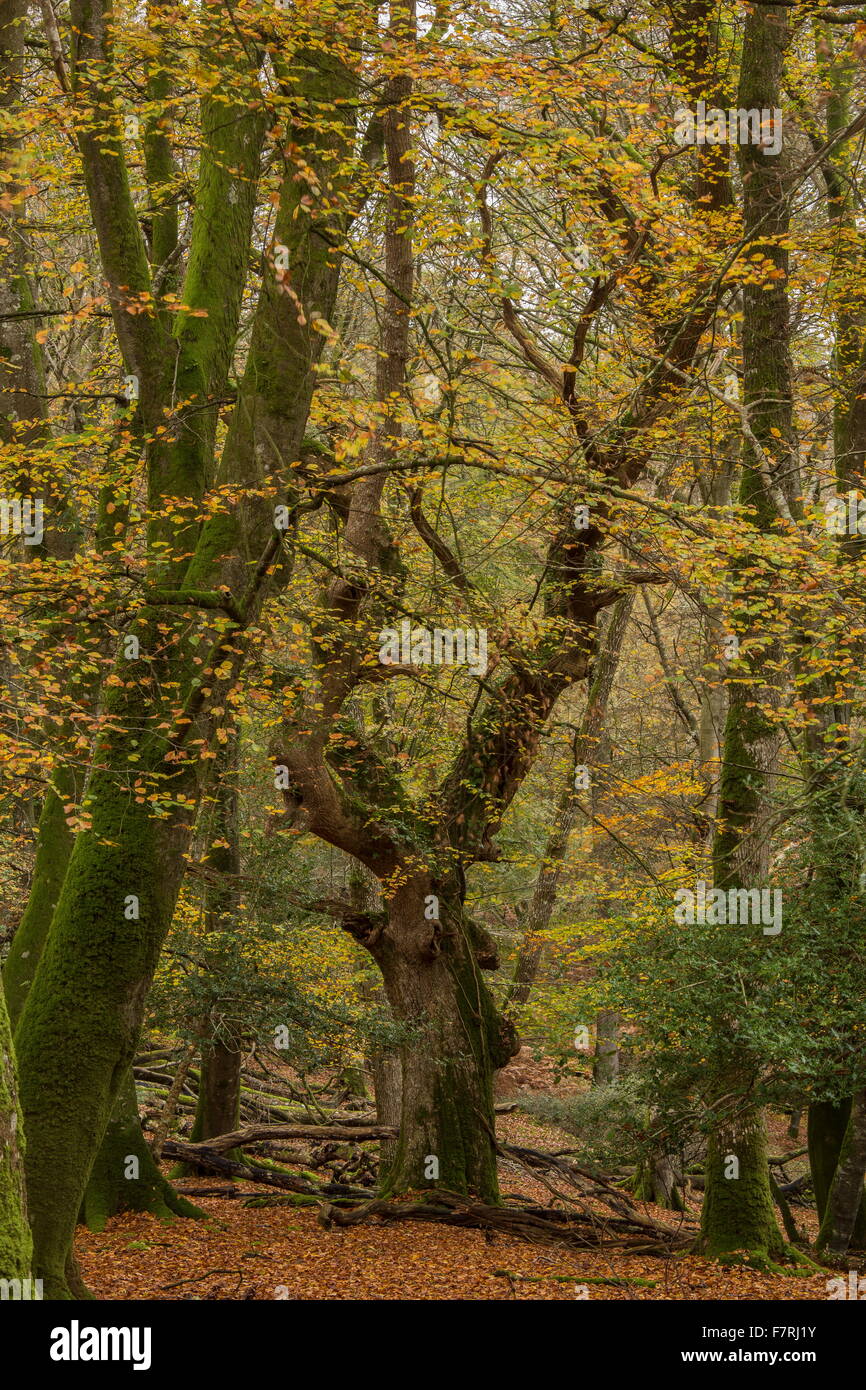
(124, 1176)
(739, 1214)
(738, 1217)
(16, 1246)
(657, 1182)
(845, 1198)
(434, 984)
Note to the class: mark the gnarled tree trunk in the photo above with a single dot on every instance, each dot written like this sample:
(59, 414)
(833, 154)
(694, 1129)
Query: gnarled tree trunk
(432, 974)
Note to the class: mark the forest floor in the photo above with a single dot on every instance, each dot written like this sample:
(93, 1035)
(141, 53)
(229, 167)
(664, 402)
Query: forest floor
(283, 1252)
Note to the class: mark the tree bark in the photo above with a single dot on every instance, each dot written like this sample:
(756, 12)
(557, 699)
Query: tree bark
(16, 1246)
(434, 983)
(738, 1217)
(738, 1214)
(124, 1175)
(605, 1064)
(845, 1199)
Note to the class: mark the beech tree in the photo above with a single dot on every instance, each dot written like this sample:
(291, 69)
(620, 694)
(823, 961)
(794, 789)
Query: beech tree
(164, 703)
(366, 362)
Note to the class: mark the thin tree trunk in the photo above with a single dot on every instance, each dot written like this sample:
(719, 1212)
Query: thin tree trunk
(219, 1092)
(605, 1065)
(567, 809)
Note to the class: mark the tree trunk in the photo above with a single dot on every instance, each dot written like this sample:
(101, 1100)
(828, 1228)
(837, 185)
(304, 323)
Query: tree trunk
(218, 1107)
(827, 1124)
(657, 1182)
(388, 1086)
(845, 1200)
(77, 1034)
(605, 1064)
(53, 848)
(124, 1175)
(219, 1093)
(738, 1213)
(433, 980)
(738, 1216)
(16, 1246)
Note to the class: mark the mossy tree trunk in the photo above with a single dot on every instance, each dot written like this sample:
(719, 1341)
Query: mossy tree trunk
(842, 1222)
(53, 848)
(79, 1029)
(738, 1219)
(16, 1245)
(738, 1212)
(124, 1176)
(81, 1021)
(432, 974)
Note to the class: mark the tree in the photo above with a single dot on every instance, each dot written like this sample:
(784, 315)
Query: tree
(16, 1246)
(742, 1218)
(80, 1023)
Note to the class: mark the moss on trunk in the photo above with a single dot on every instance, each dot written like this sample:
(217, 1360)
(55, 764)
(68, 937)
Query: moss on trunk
(124, 1175)
(458, 1040)
(827, 1124)
(53, 847)
(738, 1220)
(15, 1243)
(78, 1031)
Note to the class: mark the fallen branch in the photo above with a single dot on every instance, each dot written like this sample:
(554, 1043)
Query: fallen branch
(616, 1280)
(187, 1191)
(540, 1224)
(255, 1134)
(216, 1163)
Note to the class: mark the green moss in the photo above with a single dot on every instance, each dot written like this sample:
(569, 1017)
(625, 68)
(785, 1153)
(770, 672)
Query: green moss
(15, 1240)
(53, 847)
(738, 1213)
(110, 1190)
